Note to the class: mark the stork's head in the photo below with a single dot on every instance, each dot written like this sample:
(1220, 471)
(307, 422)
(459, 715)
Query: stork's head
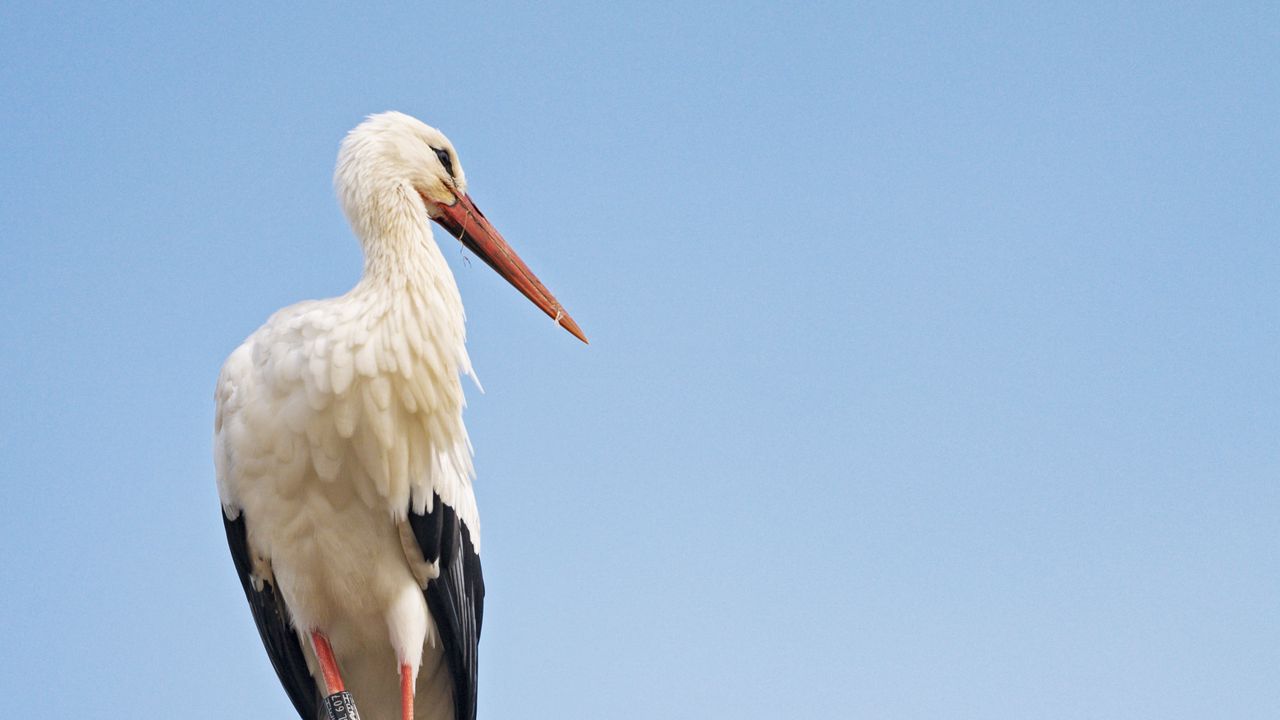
(392, 151)
(392, 167)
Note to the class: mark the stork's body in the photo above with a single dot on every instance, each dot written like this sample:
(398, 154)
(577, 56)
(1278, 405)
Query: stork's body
(344, 466)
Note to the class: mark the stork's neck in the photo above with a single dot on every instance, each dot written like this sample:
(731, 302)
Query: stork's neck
(404, 270)
(395, 234)
(406, 317)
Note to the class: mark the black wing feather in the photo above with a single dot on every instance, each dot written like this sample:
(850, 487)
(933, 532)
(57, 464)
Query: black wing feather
(455, 598)
(272, 618)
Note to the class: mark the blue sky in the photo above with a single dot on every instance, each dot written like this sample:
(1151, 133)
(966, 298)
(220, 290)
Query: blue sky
(934, 363)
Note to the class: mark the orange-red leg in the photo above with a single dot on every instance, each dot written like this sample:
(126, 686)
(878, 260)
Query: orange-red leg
(328, 664)
(406, 692)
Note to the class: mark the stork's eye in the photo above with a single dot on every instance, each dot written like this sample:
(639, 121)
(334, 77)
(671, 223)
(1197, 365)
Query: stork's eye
(445, 160)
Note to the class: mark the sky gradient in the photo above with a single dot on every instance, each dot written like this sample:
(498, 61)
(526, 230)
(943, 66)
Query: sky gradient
(935, 362)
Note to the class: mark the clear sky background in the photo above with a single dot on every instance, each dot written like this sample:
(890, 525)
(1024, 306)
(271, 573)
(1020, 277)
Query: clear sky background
(935, 362)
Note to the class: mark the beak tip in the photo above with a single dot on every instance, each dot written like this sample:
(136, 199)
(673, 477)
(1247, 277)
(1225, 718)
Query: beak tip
(567, 323)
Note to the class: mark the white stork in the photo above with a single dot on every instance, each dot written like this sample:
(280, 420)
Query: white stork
(343, 464)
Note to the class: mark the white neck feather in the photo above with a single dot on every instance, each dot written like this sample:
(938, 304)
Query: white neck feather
(409, 295)
(405, 272)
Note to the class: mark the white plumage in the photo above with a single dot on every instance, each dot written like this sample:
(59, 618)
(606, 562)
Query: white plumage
(339, 417)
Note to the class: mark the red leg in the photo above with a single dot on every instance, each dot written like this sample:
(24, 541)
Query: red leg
(406, 692)
(328, 664)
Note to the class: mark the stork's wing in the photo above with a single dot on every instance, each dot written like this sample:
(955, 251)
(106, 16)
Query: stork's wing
(455, 597)
(272, 617)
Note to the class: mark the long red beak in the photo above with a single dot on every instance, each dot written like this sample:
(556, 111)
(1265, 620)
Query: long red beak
(464, 221)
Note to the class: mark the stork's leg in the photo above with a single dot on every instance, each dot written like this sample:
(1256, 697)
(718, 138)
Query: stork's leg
(328, 664)
(338, 703)
(406, 692)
